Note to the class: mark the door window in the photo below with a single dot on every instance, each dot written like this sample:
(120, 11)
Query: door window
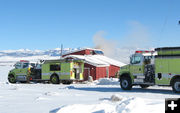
(25, 65)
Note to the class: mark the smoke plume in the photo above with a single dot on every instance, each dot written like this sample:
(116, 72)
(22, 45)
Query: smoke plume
(104, 44)
(137, 38)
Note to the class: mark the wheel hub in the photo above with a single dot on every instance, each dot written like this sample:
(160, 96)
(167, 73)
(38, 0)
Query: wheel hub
(177, 86)
(125, 83)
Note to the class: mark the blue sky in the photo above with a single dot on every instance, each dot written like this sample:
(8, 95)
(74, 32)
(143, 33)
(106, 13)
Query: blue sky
(45, 24)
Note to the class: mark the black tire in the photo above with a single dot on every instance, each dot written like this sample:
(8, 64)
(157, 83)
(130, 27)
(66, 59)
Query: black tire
(176, 85)
(70, 82)
(67, 82)
(126, 83)
(54, 79)
(11, 78)
(144, 86)
(23, 82)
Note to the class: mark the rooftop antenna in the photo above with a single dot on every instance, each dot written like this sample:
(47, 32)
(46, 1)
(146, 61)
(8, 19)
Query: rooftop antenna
(61, 50)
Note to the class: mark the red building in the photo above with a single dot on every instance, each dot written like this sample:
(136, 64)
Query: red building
(96, 64)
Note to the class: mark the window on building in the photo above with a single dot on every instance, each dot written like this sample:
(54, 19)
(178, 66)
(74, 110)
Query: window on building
(98, 52)
(91, 52)
(55, 67)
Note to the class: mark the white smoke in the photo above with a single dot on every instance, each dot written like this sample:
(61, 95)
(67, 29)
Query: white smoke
(106, 45)
(137, 38)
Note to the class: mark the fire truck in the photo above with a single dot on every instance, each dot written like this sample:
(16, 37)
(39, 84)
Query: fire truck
(147, 68)
(56, 71)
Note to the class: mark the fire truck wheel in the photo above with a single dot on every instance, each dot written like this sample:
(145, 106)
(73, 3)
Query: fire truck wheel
(126, 83)
(12, 79)
(176, 85)
(54, 79)
(144, 86)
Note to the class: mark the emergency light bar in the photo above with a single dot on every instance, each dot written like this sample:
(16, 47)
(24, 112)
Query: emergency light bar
(24, 61)
(144, 52)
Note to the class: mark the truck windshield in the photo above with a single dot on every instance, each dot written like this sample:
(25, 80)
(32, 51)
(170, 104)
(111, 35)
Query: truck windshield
(135, 60)
(18, 65)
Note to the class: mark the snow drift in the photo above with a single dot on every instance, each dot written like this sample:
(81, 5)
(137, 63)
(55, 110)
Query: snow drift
(126, 105)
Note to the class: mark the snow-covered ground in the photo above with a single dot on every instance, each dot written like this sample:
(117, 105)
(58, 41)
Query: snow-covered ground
(93, 97)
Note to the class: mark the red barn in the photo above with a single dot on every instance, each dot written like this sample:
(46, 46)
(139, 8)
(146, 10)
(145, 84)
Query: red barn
(96, 64)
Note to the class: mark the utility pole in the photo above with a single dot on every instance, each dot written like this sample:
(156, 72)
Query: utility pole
(61, 50)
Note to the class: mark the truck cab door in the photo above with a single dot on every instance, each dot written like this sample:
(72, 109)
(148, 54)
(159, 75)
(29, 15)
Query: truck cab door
(25, 67)
(137, 66)
(21, 71)
(18, 67)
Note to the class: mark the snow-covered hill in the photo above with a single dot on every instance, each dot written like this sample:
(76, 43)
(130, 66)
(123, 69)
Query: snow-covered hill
(9, 57)
(27, 52)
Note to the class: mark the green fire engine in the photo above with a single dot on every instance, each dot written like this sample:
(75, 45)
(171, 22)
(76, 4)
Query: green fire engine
(55, 71)
(160, 67)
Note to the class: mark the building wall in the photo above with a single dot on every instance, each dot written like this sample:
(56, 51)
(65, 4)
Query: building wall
(113, 70)
(83, 52)
(88, 52)
(101, 72)
(89, 70)
(75, 53)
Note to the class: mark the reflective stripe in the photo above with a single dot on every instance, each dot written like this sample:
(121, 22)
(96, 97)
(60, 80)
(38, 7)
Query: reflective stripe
(141, 77)
(21, 78)
(65, 73)
(19, 74)
(138, 80)
(59, 73)
(46, 74)
(138, 74)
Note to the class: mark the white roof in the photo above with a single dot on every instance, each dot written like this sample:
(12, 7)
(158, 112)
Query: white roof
(97, 60)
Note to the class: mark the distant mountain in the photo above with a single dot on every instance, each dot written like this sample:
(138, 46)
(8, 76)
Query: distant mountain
(27, 52)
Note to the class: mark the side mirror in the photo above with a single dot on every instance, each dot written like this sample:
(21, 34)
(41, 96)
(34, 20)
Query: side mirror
(15, 66)
(131, 60)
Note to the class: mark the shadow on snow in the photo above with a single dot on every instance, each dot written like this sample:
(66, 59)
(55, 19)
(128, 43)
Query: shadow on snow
(134, 90)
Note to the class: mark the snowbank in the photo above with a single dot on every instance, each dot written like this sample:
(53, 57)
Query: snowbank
(107, 81)
(126, 105)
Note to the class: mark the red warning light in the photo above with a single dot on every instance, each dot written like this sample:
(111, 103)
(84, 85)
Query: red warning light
(24, 61)
(138, 51)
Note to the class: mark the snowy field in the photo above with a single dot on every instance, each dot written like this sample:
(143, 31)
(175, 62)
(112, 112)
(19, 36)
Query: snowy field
(93, 97)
